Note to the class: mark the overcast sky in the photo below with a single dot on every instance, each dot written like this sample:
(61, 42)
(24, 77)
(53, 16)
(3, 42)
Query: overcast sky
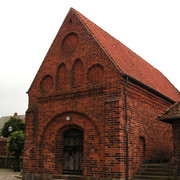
(151, 28)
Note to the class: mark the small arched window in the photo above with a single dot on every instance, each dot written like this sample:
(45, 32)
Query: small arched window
(142, 147)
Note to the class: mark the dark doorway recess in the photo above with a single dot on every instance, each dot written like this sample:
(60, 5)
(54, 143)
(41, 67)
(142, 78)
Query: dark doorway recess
(73, 152)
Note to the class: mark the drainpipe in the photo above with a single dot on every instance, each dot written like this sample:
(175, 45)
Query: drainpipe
(126, 120)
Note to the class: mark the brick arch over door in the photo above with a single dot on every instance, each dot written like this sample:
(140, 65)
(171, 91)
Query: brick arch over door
(52, 143)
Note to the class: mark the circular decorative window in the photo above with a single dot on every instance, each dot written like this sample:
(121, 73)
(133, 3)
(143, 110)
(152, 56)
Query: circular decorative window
(95, 74)
(46, 83)
(70, 43)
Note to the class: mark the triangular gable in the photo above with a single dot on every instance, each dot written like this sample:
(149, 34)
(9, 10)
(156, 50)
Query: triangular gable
(130, 63)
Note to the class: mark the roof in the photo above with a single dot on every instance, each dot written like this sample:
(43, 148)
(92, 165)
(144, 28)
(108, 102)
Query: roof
(172, 113)
(129, 63)
(4, 119)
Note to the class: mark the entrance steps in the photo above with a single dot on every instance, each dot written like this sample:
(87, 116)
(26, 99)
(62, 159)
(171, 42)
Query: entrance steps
(76, 177)
(69, 177)
(156, 171)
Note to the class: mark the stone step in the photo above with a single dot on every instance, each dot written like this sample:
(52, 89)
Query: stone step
(152, 177)
(71, 177)
(156, 173)
(155, 169)
(160, 165)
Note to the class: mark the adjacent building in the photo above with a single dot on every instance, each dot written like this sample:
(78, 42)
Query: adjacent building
(172, 116)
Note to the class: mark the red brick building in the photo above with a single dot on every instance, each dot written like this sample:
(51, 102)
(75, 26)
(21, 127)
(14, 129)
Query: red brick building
(92, 101)
(172, 116)
(3, 146)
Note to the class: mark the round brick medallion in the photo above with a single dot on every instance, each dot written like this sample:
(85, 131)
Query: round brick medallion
(70, 43)
(46, 83)
(95, 74)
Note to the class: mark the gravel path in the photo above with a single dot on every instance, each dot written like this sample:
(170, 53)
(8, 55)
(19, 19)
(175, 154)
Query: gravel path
(8, 174)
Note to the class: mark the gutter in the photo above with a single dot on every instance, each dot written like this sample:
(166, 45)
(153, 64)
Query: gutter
(126, 120)
(168, 120)
(148, 88)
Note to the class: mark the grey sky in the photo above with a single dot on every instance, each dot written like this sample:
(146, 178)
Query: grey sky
(150, 28)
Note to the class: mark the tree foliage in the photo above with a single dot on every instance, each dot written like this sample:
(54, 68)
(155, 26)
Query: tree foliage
(17, 125)
(15, 145)
(16, 142)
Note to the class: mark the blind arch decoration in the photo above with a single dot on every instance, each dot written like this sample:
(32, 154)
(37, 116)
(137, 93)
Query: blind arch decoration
(62, 76)
(77, 73)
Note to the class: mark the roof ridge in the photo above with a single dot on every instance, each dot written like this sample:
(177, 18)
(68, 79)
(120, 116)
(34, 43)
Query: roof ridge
(79, 14)
(129, 62)
(129, 50)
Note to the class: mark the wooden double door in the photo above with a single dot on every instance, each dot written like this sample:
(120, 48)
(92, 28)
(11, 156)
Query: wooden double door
(73, 152)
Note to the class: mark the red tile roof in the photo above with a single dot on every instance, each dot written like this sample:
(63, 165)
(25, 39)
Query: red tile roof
(130, 63)
(171, 113)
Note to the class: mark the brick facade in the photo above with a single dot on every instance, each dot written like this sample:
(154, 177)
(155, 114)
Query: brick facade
(172, 116)
(176, 139)
(78, 86)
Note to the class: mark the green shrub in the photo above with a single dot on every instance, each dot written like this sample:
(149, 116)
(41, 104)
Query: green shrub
(15, 145)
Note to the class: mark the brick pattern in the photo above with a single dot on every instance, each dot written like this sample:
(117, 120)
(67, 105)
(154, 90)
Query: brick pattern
(142, 112)
(62, 76)
(97, 109)
(95, 74)
(46, 83)
(3, 146)
(78, 73)
(176, 138)
(70, 42)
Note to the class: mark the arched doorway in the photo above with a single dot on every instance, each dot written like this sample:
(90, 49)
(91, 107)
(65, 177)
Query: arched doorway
(73, 151)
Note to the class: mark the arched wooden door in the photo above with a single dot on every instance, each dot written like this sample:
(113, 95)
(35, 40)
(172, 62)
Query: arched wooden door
(73, 152)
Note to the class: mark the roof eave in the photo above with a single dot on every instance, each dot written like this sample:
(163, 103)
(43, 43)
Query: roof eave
(168, 120)
(148, 88)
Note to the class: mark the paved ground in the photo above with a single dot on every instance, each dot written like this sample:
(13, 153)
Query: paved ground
(7, 174)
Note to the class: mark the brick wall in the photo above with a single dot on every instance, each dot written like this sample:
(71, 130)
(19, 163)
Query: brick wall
(78, 79)
(143, 108)
(176, 138)
(3, 146)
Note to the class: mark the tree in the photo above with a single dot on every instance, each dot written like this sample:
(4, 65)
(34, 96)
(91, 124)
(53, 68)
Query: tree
(17, 125)
(15, 145)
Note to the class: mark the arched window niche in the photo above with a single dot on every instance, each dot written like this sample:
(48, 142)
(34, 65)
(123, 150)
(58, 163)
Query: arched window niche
(77, 73)
(95, 74)
(142, 147)
(62, 76)
(46, 83)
